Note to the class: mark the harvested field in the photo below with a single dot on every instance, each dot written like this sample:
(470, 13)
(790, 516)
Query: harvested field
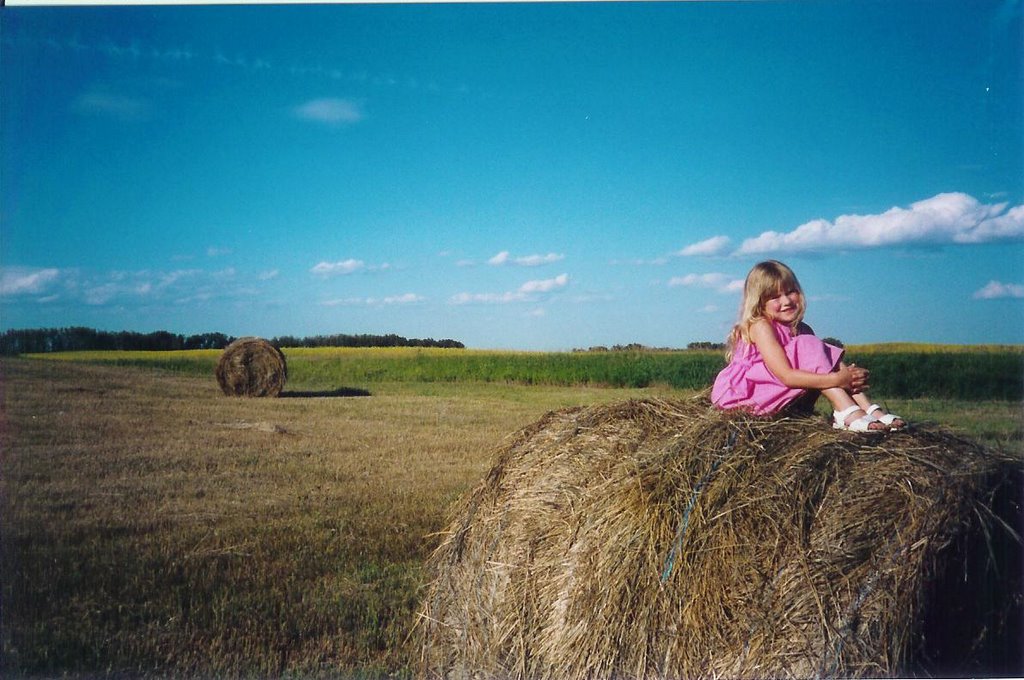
(154, 528)
(663, 538)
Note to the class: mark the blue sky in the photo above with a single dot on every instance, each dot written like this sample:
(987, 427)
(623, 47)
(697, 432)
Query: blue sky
(528, 176)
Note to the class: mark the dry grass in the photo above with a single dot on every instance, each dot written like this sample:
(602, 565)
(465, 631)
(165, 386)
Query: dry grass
(150, 522)
(665, 538)
(251, 367)
(153, 526)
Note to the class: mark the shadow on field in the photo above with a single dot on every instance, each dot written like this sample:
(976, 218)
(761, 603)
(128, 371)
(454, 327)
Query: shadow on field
(340, 392)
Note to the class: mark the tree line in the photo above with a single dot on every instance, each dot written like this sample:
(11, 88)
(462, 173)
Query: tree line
(341, 340)
(42, 340)
(637, 347)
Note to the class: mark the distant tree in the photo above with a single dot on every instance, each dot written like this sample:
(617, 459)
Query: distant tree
(631, 347)
(342, 340)
(39, 340)
(705, 345)
(26, 341)
(207, 341)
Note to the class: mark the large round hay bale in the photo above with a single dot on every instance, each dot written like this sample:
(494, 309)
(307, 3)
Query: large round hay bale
(666, 539)
(251, 367)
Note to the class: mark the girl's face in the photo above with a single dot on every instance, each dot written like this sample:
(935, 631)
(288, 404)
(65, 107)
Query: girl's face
(784, 307)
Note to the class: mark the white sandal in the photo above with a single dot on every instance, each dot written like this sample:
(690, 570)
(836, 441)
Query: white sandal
(862, 424)
(886, 419)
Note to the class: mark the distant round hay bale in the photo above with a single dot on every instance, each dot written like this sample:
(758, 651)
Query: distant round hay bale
(251, 367)
(667, 539)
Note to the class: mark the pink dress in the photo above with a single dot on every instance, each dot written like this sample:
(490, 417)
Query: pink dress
(748, 384)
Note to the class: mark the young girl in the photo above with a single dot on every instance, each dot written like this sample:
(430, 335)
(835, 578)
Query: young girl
(775, 358)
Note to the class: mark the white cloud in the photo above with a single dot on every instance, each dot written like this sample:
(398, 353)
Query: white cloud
(944, 218)
(525, 293)
(996, 289)
(102, 294)
(168, 279)
(714, 281)
(344, 302)
(1007, 226)
(404, 299)
(716, 245)
(499, 298)
(348, 266)
(26, 281)
(504, 257)
(640, 262)
(145, 284)
(537, 260)
(269, 274)
(499, 259)
(544, 285)
(330, 111)
(213, 251)
(123, 287)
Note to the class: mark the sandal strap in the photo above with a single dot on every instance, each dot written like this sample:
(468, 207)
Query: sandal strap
(862, 424)
(841, 416)
(871, 409)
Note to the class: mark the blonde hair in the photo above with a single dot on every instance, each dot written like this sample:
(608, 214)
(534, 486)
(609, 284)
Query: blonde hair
(766, 280)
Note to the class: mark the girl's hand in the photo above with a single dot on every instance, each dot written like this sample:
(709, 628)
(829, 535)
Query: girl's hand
(852, 378)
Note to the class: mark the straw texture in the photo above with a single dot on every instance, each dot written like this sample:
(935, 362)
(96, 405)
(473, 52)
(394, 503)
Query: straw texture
(251, 367)
(667, 539)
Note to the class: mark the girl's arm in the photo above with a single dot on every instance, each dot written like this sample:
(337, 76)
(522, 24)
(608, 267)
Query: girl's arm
(849, 378)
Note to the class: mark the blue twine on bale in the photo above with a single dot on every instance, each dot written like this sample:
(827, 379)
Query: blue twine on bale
(685, 521)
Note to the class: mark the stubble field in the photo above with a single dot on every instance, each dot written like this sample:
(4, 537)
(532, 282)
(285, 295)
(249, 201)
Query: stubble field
(152, 526)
